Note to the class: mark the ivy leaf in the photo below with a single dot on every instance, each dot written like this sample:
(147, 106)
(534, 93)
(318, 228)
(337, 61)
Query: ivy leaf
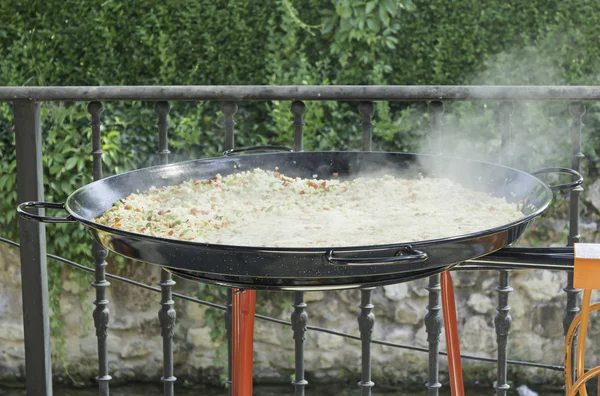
(408, 5)
(66, 187)
(71, 162)
(80, 164)
(391, 6)
(373, 24)
(328, 25)
(345, 11)
(383, 15)
(3, 181)
(370, 7)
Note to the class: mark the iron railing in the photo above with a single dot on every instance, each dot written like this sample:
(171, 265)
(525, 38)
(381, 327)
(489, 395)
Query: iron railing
(26, 108)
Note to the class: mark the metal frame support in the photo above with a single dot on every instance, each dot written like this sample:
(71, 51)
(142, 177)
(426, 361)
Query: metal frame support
(433, 318)
(577, 110)
(166, 314)
(229, 109)
(101, 313)
(34, 276)
(299, 317)
(503, 320)
(366, 318)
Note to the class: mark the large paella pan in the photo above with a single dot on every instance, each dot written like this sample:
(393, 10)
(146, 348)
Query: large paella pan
(308, 267)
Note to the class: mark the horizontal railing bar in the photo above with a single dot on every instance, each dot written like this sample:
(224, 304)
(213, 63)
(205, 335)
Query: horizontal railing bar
(410, 347)
(286, 323)
(304, 92)
(119, 278)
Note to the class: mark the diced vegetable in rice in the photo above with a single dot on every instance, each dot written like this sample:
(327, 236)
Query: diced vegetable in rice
(267, 208)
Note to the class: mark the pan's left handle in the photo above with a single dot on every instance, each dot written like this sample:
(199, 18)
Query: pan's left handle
(256, 148)
(565, 186)
(44, 219)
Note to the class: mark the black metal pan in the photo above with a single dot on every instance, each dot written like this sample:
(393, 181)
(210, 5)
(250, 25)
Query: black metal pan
(310, 268)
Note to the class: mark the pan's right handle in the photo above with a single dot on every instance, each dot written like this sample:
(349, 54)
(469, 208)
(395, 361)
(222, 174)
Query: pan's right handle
(565, 186)
(44, 219)
(256, 148)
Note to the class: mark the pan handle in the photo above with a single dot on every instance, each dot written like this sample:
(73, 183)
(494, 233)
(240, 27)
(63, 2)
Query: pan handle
(44, 219)
(565, 186)
(256, 148)
(406, 255)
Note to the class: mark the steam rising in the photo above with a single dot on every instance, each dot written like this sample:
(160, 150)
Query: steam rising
(526, 135)
(522, 134)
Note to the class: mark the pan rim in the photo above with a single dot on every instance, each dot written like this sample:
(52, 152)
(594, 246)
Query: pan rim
(321, 249)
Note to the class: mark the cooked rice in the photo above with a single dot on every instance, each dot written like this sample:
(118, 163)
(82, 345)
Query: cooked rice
(266, 208)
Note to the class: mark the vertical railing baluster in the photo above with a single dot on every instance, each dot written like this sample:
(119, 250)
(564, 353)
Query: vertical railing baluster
(503, 320)
(101, 312)
(433, 318)
(436, 110)
(95, 109)
(298, 108)
(366, 110)
(162, 110)
(506, 111)
(299, 317)
(502, 323)
(34, 276)
(433, 327)
(366, 319)
(166, 314)
(299, 320)
(366, 323)
(577, 110)
(229, 109)
(228, 322)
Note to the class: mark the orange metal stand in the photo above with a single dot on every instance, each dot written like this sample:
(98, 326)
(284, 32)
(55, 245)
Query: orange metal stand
(452, 342)
(243, 307)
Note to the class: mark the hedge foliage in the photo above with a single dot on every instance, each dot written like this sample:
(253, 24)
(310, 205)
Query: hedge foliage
(178, 42)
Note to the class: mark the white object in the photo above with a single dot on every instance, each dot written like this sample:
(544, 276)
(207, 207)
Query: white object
(523, 390)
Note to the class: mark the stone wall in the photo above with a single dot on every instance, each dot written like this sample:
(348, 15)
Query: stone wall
(135, 343)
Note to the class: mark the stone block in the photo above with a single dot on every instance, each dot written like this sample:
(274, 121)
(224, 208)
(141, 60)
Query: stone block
(200, 338)
(478, 335)
(137, 349)
(396, 292)
(11, 331)
(480, 303)
(408, 314)
(314, 296)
